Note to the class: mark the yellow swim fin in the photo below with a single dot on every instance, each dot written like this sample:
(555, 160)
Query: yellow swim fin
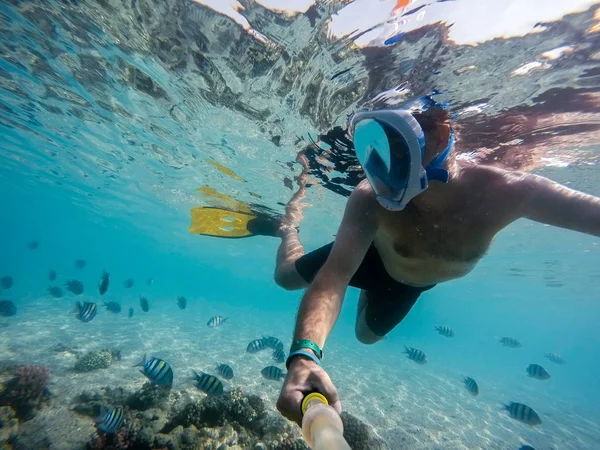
(224, 223)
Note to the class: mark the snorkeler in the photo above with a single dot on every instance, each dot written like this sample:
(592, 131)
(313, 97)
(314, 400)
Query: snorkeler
(421, 217)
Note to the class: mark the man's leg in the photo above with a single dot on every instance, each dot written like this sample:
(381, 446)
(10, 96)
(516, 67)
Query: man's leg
(379, 311)
(362, 330)
(291, 249)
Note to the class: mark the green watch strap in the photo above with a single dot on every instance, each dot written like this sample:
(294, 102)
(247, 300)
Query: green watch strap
(307, 343)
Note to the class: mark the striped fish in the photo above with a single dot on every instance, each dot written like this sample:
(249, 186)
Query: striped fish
(273, 342)
(278, 356)
(75, 287)
(216, 321)
(555, 358)
(416, 355)
(471, 386)
(523, 413)
(144, 304)
(208, 384)
(256, 345)
(509, 342)
(272, 373)
(159, 372)
(110, 420)
(444, 330)
(130, 315)
(104, 282)
(85, 311)
(538, 372)
(52, 275)
(225, 371)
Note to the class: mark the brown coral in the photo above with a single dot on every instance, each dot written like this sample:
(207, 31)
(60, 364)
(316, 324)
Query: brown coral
(27, 391)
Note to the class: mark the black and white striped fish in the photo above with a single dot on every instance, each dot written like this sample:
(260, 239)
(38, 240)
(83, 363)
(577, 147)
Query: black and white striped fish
(52, 274)
(278, 356)
(128, 283)
(159, 372)
(273, 342)
(538, 372)
(256, 345)
(444, 330)
(208, 384)
(80, 263)
(555, 358)
(85, 311)
(225, 371)
(110, 420)
(509, 342)
(216, 321)
(272, 373)
(75, 287)
(523, 413)
(104, 282)
(416, 355)
(144, 304)
(471, 386)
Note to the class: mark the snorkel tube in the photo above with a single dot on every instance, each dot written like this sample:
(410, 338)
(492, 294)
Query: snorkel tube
(322, 426)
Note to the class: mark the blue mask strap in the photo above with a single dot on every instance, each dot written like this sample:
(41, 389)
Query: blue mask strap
(434, 170)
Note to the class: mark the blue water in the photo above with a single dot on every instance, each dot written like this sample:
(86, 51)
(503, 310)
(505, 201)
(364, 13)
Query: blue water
(114, 186)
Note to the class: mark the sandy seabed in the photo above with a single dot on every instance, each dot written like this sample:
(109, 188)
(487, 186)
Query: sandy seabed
(410, 409)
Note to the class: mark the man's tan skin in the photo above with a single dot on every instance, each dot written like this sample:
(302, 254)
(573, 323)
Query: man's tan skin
(439, 236)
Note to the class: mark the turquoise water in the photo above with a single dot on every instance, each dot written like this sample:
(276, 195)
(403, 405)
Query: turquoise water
(109, 114)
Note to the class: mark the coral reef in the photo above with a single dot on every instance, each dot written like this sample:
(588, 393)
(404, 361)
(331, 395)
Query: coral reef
(7, 308)
(9, 426)
(361, 436)
(27, 391)
(231, 421)
(101, 359)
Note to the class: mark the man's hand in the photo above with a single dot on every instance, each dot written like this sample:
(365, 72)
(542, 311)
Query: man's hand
(305, 376)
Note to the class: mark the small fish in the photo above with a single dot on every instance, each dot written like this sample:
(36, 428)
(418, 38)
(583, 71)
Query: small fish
(130, 315)
(75, 287)
(225, 371)
(128, 283)
(32, 245)
(208, 384)
(80, 263)
(526, 447)
(52, 275)
(6, 282)
(55, 291)
(104, 281)
(216, 321)
(110, 420)
(416, 355)
(159, 372)
(273, 342)
(523, 413)
(182, 302)
(113, 307)
(256, 345)
(538, 372)
(278, 356)
(471, 386)
(85, 311)
(444, 330)
(509, 342)
(144, 304)
(555, 358)
(272, 373)
(150, 281)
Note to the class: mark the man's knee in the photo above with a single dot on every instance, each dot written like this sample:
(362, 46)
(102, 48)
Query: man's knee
(363, 332)
(288, 277)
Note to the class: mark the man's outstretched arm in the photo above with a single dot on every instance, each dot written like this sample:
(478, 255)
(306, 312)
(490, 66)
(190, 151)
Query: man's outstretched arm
(548, 202)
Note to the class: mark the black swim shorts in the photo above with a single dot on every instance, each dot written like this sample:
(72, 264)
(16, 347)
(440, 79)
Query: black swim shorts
(389, 301)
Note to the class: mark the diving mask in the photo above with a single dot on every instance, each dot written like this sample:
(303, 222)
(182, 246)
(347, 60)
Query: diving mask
(390, 145)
